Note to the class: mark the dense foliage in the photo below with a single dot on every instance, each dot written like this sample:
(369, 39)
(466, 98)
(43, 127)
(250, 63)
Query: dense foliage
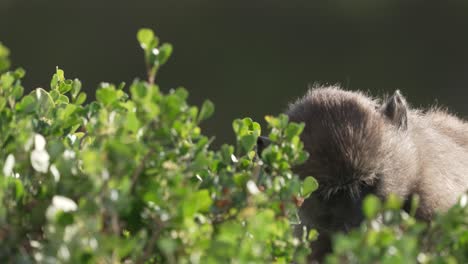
(130, 178)
(390, 235)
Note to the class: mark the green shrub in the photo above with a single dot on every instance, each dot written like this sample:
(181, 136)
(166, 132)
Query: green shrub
(130, 178)
(390, 235)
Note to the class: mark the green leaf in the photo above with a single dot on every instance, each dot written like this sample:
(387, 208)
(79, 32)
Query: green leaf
(272, 121)
(7, 79)
(167, 245)
(313, 235)
(62, 99)
(283, 119)
(80, 99)
(107, 95)
(19, 189)
(4, 51)
(44, 102)
(203, 200)
(121, 86)
(76, 88)
(4, 60)
(393, 202)
(3, 102)
(145, 36)
(206, 110)
(371, 206)
(248, 142)
(19, 73)
(4, 64)
(415, 201)
(57, 78)
(182, 93)
(65, 86)
(66, 112)
(237, 125)
(91, 162)
(18, 91)
(226, 153)
(198, 202)
(64, 218)
(138, 90)
(133, 124)
(293, 130)
(54, 94)
(256, 129)
(309, 186)
(165, 52)
(60, 74)
(26, 104)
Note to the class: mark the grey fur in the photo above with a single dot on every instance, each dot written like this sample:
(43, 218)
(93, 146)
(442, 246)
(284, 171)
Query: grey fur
(358, 145)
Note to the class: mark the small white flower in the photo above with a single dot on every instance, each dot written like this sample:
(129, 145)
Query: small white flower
(463, 200)
(9, 164)
(40, 160)
(60, 203)
(105, 174)
(112, 116)
(69, 154)
(35, 244)
(39, 156)
(114, 195)
(252, 187)
(392, 250)
(38, 257)
(64, 253)
(55, 172)
(155, 51)
(422, 258)
(140, 133)
(64, 203)
(39, 142)
(164, 217)
(93, 243)
(199, 178)
(70, 232)
(233, 158)
(72, 138)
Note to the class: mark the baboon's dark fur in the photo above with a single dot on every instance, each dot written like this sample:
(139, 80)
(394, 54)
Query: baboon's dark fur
(358, 145)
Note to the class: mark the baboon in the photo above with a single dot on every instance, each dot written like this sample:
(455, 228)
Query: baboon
(359, 145)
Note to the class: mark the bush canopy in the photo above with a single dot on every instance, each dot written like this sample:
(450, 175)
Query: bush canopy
(130, 178)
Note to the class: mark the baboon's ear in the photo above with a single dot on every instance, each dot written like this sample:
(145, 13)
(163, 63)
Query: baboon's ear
(396, 110)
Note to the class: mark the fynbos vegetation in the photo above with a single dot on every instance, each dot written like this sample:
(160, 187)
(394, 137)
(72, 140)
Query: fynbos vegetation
(130, 178)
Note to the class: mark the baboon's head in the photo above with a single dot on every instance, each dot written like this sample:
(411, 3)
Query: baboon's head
(357, 146)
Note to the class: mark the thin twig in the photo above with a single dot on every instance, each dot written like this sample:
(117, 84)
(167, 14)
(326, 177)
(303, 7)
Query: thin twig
(151, 77)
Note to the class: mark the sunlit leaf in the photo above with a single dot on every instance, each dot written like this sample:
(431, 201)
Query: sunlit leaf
(371, 206)
(206, 110)
(309, 186)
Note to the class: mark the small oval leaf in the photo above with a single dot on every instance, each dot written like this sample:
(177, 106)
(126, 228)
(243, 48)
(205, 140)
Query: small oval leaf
(371, 206)
(206, 110)
(309, 185)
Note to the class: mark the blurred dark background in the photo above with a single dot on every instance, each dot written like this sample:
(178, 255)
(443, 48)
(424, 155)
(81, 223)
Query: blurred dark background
(250, 57)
